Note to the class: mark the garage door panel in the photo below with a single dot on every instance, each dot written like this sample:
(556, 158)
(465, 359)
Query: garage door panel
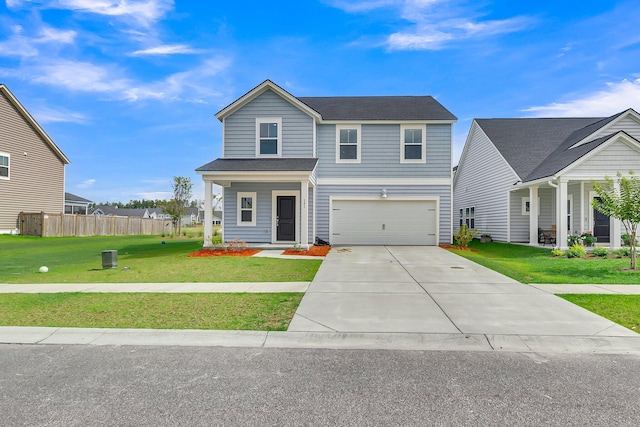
(384, 222)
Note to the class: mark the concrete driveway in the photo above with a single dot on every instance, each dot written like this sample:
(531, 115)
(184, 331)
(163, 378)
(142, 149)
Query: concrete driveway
(424, 289)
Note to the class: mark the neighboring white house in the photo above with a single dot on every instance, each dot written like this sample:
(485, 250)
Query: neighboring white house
(517, 177)
(348, 170)
(75, 204)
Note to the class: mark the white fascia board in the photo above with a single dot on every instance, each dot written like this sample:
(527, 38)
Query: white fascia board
(628, 113)
(618, 136)
(384, 181)
(388, 122)
(257, 176)
(260, 89)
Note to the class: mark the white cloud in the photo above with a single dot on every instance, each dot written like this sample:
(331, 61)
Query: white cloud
(58, 115)
(142, 12)
(169, 49)
(20, 45)
(615, 98)
(87, 183)
(435, 24)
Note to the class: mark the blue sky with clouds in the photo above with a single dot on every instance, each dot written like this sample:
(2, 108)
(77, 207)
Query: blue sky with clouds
(128, 88)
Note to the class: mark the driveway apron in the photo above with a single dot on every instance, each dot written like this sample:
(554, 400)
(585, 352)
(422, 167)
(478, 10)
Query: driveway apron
(426, 289)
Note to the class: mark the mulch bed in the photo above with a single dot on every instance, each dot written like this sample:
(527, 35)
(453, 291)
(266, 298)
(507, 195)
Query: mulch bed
(459, 248)
(313, 251)
(206, 253)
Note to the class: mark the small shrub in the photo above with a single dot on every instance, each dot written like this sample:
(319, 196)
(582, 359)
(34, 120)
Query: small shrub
(588, 239)
(626, 239)
(236, 245)
(576, 251)
(557, 252)
(624, 251)
(600, 252)
(297, 247)
(464, 236)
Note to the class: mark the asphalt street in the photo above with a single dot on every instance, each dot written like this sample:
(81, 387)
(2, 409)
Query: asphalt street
(79, 385)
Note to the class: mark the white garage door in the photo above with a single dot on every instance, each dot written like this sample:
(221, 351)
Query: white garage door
(383, 222)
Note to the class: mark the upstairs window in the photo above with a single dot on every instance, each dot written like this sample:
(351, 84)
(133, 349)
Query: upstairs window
(269, 136)
(348, 144)
(4, 166)
(412, 144)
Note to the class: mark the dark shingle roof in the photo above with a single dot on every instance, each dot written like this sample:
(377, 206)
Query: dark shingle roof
(378, 108)
(526, 144)
(260, 165)
(73, 198)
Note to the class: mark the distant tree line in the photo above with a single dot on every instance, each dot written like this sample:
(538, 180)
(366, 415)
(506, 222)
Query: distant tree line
(143, 204)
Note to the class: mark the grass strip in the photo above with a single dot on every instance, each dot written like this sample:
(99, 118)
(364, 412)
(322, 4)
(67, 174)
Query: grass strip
(232, 311)
(621, 309)
(529, 264)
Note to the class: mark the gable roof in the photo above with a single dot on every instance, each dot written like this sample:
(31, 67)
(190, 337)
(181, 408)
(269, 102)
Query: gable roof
(527, 143)
(379, 108)
(29, 119)
(68, 197)
(541, 147)
(351, 107)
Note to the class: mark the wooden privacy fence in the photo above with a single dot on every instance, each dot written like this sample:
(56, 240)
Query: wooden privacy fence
(58, 225)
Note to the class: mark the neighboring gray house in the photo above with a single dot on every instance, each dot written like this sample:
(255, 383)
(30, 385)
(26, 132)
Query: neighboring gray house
(519, 176)
(31, 165)
(348, 170)
(75, 204)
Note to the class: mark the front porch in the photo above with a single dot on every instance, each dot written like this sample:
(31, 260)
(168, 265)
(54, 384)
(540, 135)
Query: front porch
(547, 213)
(266, 201)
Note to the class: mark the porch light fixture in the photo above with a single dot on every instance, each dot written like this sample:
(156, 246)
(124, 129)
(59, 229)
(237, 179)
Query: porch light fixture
(383, 194)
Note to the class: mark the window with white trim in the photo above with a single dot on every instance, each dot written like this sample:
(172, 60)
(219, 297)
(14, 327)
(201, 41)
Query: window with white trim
(526, 205)
(412, 144)
(268, 136)
(348, 145)
(4, 165)
(468, 216)
(247, 209)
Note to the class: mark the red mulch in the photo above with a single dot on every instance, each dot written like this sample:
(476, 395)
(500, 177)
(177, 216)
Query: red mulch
(313, 251)
(459, 248)
(204, 253)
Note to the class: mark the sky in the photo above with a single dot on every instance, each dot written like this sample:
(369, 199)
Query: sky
(128, 89)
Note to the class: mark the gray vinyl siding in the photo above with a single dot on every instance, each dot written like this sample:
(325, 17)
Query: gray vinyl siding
(240, 128)
(519, 222)
(380, 153)
(325, 192)
(547, 216)
(483, 181)
(627, 124)
(618, 157)
(261, 232)
(36, 181)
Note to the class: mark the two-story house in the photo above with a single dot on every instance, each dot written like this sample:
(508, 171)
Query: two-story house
(370, 170)
(31, 165)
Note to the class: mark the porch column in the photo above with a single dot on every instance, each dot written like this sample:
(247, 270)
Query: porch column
(533, 215)
(304, 214)
(208, 213)
(615, 225)
(561, 214)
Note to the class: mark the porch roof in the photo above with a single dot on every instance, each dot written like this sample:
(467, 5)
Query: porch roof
(260, 165)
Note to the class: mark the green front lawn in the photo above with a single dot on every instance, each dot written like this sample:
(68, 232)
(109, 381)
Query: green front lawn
(258, 312)
(140, 259)
(622, 309)
(528, 264)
